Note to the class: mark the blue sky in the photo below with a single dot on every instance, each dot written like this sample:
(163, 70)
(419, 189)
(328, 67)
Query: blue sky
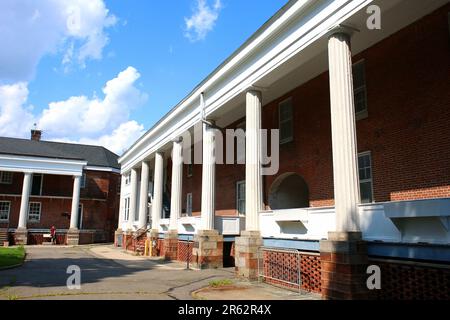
(156, 52)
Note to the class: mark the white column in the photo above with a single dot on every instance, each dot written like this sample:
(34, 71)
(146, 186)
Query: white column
(122, 203)
(253, 180)
(133, 198)
(345, 158)
(208, 178)
(143, 199)
(158, 185)
(177, 180)
(26, 190)
(75, 203)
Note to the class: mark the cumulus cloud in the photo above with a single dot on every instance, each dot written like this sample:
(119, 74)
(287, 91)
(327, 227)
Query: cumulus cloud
(15, 117)
(202, 20)
(31, 29)
(91, 120)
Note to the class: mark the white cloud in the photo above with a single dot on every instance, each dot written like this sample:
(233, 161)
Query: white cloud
(31, 29)
(15, 118)
(203, 20)
(91, 120)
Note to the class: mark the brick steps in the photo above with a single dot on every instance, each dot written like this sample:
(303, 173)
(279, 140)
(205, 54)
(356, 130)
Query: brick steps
(3, 236)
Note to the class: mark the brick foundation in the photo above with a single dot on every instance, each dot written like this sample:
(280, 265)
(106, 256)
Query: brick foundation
(344, 263)
(171, 245)
(208, 249)
(118, 238)
(73, 237)
(246, 254)
(21, 237)
(405, 280)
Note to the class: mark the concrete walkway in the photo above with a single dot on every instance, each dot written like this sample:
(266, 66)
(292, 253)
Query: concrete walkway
(109, 273)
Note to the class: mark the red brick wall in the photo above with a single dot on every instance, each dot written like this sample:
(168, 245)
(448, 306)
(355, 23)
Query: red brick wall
(407, 77)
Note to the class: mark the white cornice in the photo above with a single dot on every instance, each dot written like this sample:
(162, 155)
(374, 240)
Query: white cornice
(41, 165)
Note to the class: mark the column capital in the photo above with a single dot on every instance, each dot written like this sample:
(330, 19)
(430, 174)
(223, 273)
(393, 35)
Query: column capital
(342, 29)
(178, 140)
(256, 89)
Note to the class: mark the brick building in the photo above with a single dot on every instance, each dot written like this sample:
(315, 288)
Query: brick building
(364, 155)
(72, 187)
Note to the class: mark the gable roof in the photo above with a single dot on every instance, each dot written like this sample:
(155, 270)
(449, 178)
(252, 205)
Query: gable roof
(94, 155)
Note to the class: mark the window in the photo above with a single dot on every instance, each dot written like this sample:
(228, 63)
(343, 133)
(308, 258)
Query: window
(240, 197)
(127, 179)
(365, 177)
(126, 210)
(6, 177)
(360, 92)
(34, 212)
(286, 121)
(190, 166)
(5, 207)
(36, 188)
(80, 216)
(189, 204)
(83, 181)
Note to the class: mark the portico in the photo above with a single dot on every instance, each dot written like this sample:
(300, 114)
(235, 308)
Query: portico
(30, 166)
(282, 82)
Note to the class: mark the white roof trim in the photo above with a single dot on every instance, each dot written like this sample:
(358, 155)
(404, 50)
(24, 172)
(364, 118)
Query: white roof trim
(41, 165)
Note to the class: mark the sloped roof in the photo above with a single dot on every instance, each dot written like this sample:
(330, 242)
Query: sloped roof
(94, 155)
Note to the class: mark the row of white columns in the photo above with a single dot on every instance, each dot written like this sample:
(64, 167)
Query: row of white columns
(346, 185)
(25, 200)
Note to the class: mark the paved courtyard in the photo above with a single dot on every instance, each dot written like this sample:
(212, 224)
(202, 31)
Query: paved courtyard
(108, 273)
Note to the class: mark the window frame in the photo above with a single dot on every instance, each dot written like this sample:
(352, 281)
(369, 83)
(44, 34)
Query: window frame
(7, 173)
(29, 212)
(83, 181)
(239, 183)
(127, 179)
(8, 212)
(126, 209)
(290, 120)
(363, 114)
(189, 207)
(80, 216)
(40, 186)
(363, 154)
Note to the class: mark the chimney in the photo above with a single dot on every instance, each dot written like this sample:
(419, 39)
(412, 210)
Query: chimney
(36, 135)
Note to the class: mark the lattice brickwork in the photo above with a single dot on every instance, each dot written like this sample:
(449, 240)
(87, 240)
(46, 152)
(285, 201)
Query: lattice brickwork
(284, 267)
(411, 282)
(185, 248)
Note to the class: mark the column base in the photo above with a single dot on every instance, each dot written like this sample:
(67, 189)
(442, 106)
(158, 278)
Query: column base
(344, 263)
(73, 237)
(171, 245)
(21, 236)
(246, 254)
(208, 249)
(153, 245)
(118, 238)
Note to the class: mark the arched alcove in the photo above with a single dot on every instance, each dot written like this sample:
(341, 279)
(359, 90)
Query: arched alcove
(289, 191)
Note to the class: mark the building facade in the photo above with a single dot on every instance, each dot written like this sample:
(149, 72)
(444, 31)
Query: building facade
(364, 147)
(74, 188)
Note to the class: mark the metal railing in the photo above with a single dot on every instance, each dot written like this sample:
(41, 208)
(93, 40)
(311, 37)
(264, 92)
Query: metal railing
(286, 270)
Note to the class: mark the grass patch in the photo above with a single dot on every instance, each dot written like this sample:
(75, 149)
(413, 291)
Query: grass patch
(220, 283)
(11, 256)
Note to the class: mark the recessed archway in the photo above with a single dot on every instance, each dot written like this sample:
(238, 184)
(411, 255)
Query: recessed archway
(289, 191)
